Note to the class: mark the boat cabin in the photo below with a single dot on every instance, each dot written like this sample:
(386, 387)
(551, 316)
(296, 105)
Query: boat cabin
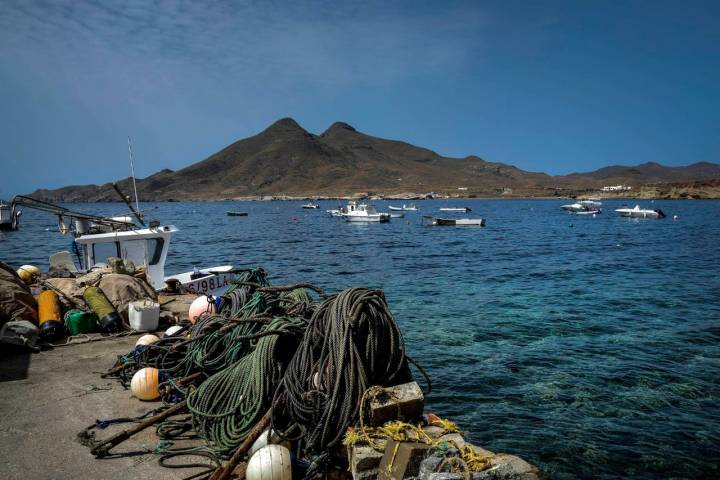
(144, 247)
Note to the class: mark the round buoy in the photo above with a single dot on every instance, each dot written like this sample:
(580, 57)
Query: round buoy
(199, 306)
(28, 273)
(172, 330)
(144, 384)
(148, 339)
(271, 462)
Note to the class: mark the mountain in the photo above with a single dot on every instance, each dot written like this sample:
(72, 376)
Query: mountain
(653, 172)
(286, 160)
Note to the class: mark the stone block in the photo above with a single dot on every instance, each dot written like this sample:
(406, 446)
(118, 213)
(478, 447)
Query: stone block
(429, 466)
(508, 467)
(402, 402)
(433, 431)
(366, 475)
(403, 461)
(445, 476)
(363, 458)
(453, 439)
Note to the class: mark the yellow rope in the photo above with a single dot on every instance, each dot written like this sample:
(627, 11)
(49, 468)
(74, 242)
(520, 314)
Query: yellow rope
(406, 432)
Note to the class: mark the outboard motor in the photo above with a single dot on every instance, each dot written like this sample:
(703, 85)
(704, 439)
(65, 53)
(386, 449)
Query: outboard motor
(660, 213)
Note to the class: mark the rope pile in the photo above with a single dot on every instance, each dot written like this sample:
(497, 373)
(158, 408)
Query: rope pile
(227, 405)
(351, 343)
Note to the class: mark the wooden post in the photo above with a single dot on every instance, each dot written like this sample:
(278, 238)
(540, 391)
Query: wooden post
(102, 448)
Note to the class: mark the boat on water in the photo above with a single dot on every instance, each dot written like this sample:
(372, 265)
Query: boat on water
(235, 214)
(97, 238)
(456, 209)
(397, 215)
(459, 222)
(637, 212)
(355, 212)
(583, 207)
(335, 212)
(311, 205)
(404, 208)
(8, 218)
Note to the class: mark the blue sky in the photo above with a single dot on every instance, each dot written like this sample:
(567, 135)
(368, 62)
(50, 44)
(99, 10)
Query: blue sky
(547, 86)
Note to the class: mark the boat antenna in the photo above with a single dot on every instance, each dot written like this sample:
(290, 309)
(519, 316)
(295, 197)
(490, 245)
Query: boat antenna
(132, 172)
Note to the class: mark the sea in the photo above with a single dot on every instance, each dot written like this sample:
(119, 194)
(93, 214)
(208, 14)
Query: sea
(589, 346)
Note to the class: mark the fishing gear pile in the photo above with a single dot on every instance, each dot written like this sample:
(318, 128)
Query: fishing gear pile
(294, 385)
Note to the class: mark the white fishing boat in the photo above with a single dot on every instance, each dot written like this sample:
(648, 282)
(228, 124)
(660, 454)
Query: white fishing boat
(8, 218)
(363, 213)
(637, 212)
(311, 205)
(455, 209)
(98, 238)
(583, 207)
(397, 215)
(404, 208)
(460, 222)
(335, 212)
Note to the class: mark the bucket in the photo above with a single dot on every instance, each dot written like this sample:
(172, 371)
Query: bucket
(77, 322)
(144, 315)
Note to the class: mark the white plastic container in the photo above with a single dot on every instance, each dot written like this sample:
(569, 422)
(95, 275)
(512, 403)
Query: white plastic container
(144, 315)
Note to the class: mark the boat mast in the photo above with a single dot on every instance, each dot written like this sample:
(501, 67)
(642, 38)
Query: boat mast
(132, 172)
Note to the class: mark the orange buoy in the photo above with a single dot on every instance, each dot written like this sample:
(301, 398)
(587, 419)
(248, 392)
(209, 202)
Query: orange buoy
(145, 384)
(49, 315)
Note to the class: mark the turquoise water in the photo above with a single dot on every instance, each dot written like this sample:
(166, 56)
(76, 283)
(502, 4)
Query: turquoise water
(590, 346)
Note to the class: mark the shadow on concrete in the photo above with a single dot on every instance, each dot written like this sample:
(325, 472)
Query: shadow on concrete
(14, 362)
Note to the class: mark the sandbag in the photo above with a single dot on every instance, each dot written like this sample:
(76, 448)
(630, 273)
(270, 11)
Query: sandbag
(123, 289)
(16, 301)
(70, 287)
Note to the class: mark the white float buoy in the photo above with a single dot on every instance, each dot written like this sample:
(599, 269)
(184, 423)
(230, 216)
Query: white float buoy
(148, 339)
(271, 462)
(144, 384)
(172, 330)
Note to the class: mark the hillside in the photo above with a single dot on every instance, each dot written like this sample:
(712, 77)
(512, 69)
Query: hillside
(286, 160)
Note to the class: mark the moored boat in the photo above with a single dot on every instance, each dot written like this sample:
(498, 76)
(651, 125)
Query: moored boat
(456, 209)
(464, 222)
(637, 212)
(235, 214)
(583, 207)
(97, 238)
(8, 217)
(404, 208)
(363, 213)
(311, 205)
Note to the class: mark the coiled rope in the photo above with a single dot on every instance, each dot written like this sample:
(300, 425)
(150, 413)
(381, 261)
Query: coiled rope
(352, 342)
(227, 405)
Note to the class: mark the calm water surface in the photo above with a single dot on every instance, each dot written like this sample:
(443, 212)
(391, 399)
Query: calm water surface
(587, 345)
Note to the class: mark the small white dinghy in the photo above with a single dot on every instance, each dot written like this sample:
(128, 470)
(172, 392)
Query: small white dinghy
(311, 205)
(455, 209)
(638, 212)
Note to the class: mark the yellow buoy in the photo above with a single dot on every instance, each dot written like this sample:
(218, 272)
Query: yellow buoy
(148, 339)
(144, 384)
(28, 273)
(49, 315)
